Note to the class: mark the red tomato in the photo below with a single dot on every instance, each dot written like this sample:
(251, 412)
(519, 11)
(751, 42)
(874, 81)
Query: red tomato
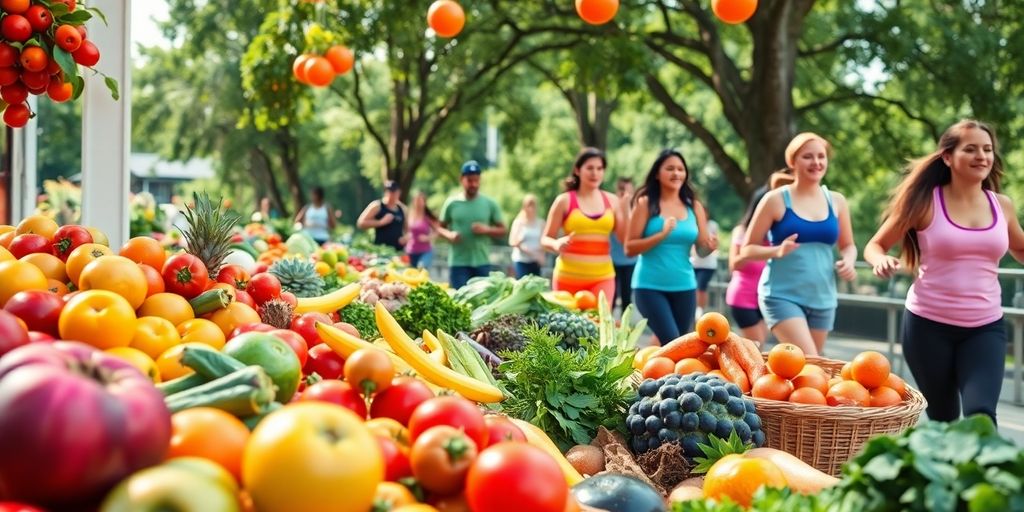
(39, 309)
(40, 337)
(400, 400)
(452, 411)
(500, 429)
(185, 275)
(28, 243)
(324, 361)
(10, 506)
(336, 392)
(12, 333)
(234, 275)
(250, 327)
(263, 287)
(295, 341)
(305, 325)
(396, 459)
(244, 297)
(511, 477)
(440, 459)
(68, 238)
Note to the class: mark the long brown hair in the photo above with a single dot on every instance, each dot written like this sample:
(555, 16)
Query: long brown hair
(913, 197)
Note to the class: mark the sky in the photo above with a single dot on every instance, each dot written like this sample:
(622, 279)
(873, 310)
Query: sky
(144, 30)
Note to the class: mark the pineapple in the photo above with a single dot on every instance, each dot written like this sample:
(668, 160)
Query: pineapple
(209, 232)
(298, 276)
(277, 312)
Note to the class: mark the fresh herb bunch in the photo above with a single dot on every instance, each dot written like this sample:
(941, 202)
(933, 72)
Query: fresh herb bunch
(567, 393)
(361, 316)
(430, 308)
(767, 499)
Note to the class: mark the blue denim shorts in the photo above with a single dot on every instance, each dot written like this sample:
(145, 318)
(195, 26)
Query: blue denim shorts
(776, 310)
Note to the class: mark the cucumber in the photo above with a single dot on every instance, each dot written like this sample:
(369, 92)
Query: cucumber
(255, 419)
(243, 393)
(180, 384)
(209, 363)
(210, 301)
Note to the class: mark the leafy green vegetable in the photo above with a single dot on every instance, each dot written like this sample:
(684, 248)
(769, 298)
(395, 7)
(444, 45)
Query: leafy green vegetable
(767, 499)
(567, 393)
(498, 295)
(361, 316)
(430, 308)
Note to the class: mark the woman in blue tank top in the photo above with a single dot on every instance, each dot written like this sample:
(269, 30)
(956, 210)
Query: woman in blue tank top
(804, 222)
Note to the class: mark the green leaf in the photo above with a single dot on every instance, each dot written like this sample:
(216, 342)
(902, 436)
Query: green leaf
(112, 85)
(1004, 480)
(997, 452)
(76, 17)
(66, 62)
(938, 498)
(929, 443)
(582, 401)
(100, 14)
(57, 9)
(934, 470)
(77, 86)
(885, 467)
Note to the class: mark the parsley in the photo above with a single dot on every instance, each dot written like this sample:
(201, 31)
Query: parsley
(430, 308)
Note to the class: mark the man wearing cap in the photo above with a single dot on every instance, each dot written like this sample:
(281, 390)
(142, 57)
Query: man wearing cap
(473, 220)
(387, 218)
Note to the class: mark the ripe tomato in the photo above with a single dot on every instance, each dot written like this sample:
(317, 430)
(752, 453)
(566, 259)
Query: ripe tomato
(8, 53)
(100, 318)
(36, 80)
(441, 457)
(138, 359)
(509, 477)
(17, 276)
(171, 306)
(87, 54)
(336, 392)
(325, 362)
(154, 281)
(185, 275)
(341, 59)
(9, 76)
(234, 275)
(82, 256)
(263, 287)
(145, 250)
(392, 495)
(399, 401)
(500, 429)
(52, 266)
(235, 314)
(33, 58)
(59, 91)
(211, 434)
(396, 459)
(17, 115)
(68, 38)
(15, 27)
(369, 370)
(39, 309)
(68, 238)
(295, 341)
(244, 298)
(12, 333)
(28, 243)
(452, 411)
(14, 6)
(117, 274)
(250, 327)
(10, 506)
(201, 330)
(305, 325)
(154, 335)
(301, 455)
(14, 93)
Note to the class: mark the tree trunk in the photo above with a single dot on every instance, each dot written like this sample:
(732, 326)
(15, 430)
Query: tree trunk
(593, 117)
(261, 162)
(289, 156)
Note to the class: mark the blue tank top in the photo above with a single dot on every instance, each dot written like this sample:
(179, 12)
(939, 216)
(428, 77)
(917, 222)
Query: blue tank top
(805, 276)
(666, 267)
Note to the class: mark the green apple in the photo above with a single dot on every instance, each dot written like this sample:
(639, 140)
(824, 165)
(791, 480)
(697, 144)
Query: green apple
(170, 488)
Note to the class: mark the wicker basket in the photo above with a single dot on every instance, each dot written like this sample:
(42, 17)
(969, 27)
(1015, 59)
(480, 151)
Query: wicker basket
(826, 437)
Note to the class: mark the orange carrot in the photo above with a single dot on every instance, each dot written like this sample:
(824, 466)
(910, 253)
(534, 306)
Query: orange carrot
(746, 353)
(687, 345)
(731, 367)
(710, 357)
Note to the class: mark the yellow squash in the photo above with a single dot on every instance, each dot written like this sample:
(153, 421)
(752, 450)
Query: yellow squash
(328, 303)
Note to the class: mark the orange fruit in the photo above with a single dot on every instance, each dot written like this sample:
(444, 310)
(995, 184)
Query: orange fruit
(738, 478)
(786, 360)
(809, 396)
(57, 287)
(772, 387)
(813, 367)
(144, 250)
(658, 367)
(847, 372)
(690, 365)
(585, 300)
(38, 224)
(169, 362)
(713, 328)
(154, 281)
(211, 434)
(848, 393)
(884, 396)
(896, 383)
(833, 381)
(811, 379)
(870, 368)
(82, 256)
(52, 266)
(642, 355)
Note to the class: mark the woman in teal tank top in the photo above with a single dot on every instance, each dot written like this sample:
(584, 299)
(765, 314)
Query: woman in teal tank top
(804, 222)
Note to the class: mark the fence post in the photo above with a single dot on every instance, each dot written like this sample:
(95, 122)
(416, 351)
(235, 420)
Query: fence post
(1018, 355)
(890, 334)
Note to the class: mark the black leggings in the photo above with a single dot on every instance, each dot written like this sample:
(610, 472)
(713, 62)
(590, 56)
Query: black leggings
(954, 365)
(668, 314)
(623, 285)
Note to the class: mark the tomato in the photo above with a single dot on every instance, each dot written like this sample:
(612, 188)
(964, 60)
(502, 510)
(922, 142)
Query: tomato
(12, 333)
(82, 256)
(17, 276)
(243, 297)
(138, 359)
(211, 434)
(299, 457)
(336, 392)
(230, 290)
(295, 341)
(452, 411)
(68, 38)
(234, 275)
(396, 459)
(250, 327)
(39, 17)
(10, 506)
(67, 239)
(201, 330)
(263, 287)
(52, 266)
(511, 477)
(233, 315)
(500, 429)
(391, 495)
(171, 306)
(100, 318)
(154, 281)
(28, 243)
(440, 459)
(305, 324)
(324, 362)
(391, 429)
(154, 335)
(169, 363)
(400, 399)
(58, 287)
(39, 309)
(144, 250)
(369, 370)
(87, 54)
(455, 503)
(17, 114)
(116, 274)
(185, 275)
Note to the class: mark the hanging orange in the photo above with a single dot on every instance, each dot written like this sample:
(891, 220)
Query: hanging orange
(446, 18)
(319, 72)
(733, 11)
(597, 12)
(341, 58)
(299, 68)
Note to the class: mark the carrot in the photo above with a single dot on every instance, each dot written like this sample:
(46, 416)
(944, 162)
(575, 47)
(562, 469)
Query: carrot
(749, 357)
(710, 357)
(731, 367)
(687, 345)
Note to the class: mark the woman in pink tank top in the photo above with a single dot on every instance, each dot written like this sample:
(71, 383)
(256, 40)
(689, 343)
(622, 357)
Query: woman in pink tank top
(953, 227)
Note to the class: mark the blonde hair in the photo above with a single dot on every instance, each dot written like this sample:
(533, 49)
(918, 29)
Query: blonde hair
(528, 198)
(799, 141)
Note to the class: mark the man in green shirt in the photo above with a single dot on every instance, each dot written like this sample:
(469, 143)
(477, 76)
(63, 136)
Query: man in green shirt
(472, 220)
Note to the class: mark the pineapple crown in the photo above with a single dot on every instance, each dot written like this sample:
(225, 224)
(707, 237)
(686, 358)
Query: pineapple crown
(209, 231)
(716, 448)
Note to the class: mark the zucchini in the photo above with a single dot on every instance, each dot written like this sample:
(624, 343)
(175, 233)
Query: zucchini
(255, 419)
(243, 393)
(180, 384)
(210, 301)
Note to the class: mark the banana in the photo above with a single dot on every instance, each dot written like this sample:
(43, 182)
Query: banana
(538, 438)
(436, 350)
(344, 344)
(427, 367)
(328, 303)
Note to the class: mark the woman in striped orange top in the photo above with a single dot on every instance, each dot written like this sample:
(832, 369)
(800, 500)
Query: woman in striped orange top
(587, 217)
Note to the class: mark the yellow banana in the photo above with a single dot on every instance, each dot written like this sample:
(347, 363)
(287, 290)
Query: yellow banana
(436, 350)
(344, 344)
(427, 367)
(328, 303)
(538, 438)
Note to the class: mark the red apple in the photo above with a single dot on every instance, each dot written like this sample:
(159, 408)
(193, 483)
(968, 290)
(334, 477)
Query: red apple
(305, 325)
(12, 335)
(39, 309)
(336, 392)
(29, 243)
(324, 362)
(295, 341)
(251, 327)
(74, 422)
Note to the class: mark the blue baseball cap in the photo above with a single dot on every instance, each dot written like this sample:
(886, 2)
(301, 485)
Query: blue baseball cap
(470, 167)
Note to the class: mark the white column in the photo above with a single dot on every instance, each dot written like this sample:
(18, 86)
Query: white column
(106, 125)
(24, 167)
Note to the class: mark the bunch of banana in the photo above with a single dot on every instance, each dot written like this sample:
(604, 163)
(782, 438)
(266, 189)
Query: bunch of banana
(345, 344)
(328, 303)
(410, 276)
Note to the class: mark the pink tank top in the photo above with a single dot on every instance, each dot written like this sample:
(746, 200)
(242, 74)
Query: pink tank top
(742, 289)
(957, 281)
